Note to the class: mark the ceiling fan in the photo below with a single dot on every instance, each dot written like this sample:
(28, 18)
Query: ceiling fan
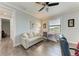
(47, 4)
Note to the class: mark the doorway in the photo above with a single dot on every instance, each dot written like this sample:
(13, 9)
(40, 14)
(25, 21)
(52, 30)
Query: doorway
(5, 29)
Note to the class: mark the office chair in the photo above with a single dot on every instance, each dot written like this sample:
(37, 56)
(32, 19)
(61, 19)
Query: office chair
(65, 50)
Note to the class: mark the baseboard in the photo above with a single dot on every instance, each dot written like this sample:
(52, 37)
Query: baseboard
(16, 44)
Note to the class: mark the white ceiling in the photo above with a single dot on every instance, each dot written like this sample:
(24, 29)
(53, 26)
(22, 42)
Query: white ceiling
(32, 8)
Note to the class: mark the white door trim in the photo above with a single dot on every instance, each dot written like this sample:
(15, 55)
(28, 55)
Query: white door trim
(13, 28)
(12, 24)
(0, 28)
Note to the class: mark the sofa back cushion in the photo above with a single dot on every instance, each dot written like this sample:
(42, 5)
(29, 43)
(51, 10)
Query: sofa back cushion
(30, 35)
(36, 34)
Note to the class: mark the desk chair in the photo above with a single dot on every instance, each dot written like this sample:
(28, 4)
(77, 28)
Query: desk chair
(65, 50)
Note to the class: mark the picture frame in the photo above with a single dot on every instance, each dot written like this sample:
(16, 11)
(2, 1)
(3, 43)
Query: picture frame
(71, 23)
(31, 25)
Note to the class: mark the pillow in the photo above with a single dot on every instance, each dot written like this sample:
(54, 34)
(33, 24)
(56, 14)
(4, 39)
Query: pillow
(25, 35)
(28, 35)
(38, 34)
(31, 34)
(34, 34)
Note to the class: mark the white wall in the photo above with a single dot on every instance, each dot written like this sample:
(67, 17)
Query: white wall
(71, 33)
(35, 25)
(22, 25)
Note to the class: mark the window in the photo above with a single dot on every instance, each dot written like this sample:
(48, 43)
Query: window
(54, 26)
(55, 29)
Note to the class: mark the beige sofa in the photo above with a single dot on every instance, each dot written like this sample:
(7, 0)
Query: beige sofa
(29, 39)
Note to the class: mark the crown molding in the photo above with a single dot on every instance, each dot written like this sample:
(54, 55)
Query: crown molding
(17, 8)
(14, 8)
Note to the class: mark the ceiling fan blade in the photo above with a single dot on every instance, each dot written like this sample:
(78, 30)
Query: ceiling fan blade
(53, 4)
(47, 3)
(41, 9)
